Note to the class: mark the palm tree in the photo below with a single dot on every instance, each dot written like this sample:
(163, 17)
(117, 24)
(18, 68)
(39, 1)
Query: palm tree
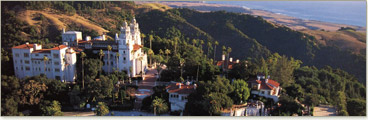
(159, 106)
(176, 39)
(161, 52)
(228, 56)
(202, 42)
(150, 53)
(182, 61)
(117, 60)
(83, 55)
(209, 45)
(167, 52)
(101, 53)
(108, 58)
(214, 53)
(194, 42)
(150, 39)
(45, 59)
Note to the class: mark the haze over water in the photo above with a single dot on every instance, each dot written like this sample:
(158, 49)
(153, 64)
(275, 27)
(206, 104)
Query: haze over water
(343, 12)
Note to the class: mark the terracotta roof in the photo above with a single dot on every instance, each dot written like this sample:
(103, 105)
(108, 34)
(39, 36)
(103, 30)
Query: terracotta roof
(24, 46)
(42, 51)
(136, 47)
(230, 66)
(274, 83)
(269, 85)
(185, 89)
(59, 47)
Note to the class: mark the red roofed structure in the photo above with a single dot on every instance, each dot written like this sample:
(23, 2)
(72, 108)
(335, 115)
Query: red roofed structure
(178, 95)
(265, 87)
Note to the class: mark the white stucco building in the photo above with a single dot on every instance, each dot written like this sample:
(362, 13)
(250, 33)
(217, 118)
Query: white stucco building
(29, 61)
(178, 95)
(127, 44)
(265, 87)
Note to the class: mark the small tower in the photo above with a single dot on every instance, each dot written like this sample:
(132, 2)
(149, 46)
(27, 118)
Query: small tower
(63, 30)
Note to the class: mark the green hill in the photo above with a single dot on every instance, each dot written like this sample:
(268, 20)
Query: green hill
(248, 36)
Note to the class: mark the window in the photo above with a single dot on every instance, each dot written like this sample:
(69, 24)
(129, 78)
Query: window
(124, 58)
(21, 61)
(21, 68)
(124, 51)
(263, 92)
(26, 61)
(57, 77)
(27, 68)
(36, 54)
(57, 70)
(16, 55)
(15, 61)
(56, 63)
(26, 55)
(16, 68)
(56, 55)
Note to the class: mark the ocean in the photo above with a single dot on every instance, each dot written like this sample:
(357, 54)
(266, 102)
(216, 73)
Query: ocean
(343, 12)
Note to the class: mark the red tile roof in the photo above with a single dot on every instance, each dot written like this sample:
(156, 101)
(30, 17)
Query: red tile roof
(59, 47)
(185, 89)
(274, 83)
(24, 46)
(136, 47)
(269, 85)
(230, 66)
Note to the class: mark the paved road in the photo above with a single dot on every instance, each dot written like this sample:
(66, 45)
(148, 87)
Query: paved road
(324, 110)
(145, 87)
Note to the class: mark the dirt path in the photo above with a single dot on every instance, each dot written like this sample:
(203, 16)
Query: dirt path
(79, 114)
(324, 110)
(145, 87)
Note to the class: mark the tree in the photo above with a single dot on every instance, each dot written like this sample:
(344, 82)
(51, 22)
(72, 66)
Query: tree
(209, 46)
(92, 68)
(83, 55)
(32, 92)
(241, 91)
(101, 54)
(356, 107)
(167, 52)
(109, 48)
(228, 58)
(214, 53)
(102, 109)
(45, 59)
(52, 109)
(150, 53)
(159, 106)
(295, 91)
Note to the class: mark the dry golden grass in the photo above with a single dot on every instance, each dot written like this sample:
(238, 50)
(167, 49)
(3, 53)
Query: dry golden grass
(155, 6)
(29, 15)
(342, 39)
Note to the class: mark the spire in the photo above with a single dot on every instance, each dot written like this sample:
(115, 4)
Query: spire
(134, 21)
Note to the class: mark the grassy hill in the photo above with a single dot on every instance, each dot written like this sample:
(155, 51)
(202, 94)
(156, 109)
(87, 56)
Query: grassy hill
(346, 40)
(248, 36)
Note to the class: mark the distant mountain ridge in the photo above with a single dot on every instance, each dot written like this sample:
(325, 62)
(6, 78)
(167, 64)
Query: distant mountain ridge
(248, 36)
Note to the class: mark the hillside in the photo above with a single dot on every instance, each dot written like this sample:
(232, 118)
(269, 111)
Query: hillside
(247, 35)
(346, 40)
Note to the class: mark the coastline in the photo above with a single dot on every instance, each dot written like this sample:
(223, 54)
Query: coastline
(278, 18)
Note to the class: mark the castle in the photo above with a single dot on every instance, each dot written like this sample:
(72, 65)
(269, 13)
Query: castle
(126, 54)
